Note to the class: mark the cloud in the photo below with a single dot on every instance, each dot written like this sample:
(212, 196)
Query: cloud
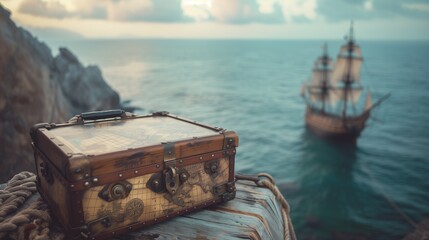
(42, 8)
(336, 10)
(146, 10)
(299, 10)
(116, 10)
(245, 11)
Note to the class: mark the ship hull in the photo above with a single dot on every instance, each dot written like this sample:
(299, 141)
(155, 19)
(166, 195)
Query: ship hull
(334, 127)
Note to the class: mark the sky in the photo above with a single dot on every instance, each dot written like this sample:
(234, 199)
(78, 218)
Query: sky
(223, 19)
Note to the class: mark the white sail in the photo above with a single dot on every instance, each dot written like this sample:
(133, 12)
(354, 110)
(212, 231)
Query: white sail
(346, 62)
(340, 68)
(319, 76)
(338, 94)
(354, 95)
(355, 70)
(368, 101)
(335, 95)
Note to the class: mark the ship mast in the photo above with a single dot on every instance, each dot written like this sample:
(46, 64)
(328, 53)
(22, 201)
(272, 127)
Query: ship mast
(324, 85)
(347, 80)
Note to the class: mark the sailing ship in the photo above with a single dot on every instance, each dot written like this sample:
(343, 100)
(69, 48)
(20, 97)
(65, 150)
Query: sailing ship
(333, 93)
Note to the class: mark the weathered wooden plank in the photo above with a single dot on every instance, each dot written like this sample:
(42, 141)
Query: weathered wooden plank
(253, 214)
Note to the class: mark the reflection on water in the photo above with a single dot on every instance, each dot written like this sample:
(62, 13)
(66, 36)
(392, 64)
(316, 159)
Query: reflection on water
(327, 187)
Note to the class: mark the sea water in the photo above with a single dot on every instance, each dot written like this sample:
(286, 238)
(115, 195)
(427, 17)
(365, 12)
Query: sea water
(335, 191)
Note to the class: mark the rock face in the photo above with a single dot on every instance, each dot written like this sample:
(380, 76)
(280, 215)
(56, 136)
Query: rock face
(36, 87)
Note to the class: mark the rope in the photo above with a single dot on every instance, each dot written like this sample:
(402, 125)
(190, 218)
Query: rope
(421, 230)
(33, 221)
(267, 181)
(390, 201)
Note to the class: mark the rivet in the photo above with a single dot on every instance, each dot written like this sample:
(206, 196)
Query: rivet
(95, 180)
(78, 170)
(120, 174)
(72, 186)
(86, 184)
(227, 146)
(136, 171)
(212, 155)
(181, 161)
(201, 158)
(233, 151)
(169, 152)
(157, 165)
(230, 140)
(86, 175)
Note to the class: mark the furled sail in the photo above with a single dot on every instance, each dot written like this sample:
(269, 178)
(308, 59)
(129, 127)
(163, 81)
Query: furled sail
(347, 60)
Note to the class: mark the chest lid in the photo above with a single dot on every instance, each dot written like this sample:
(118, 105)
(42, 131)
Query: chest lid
(95, 138)
(115, 139)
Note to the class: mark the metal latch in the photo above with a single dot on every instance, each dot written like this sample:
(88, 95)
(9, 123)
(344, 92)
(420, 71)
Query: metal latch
(170, 180)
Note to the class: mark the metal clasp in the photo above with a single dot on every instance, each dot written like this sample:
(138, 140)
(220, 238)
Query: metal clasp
(171, 179)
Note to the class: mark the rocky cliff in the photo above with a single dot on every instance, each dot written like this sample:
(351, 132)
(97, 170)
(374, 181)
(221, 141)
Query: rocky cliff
(37, 87)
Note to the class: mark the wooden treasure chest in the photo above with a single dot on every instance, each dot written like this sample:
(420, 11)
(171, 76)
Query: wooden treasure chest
(106, 173)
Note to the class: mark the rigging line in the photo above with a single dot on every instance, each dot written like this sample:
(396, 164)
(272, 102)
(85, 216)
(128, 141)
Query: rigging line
(388, 199)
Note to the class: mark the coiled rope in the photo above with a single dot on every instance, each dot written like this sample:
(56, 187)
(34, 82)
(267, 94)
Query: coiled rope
(33, 221)
(267, 181)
